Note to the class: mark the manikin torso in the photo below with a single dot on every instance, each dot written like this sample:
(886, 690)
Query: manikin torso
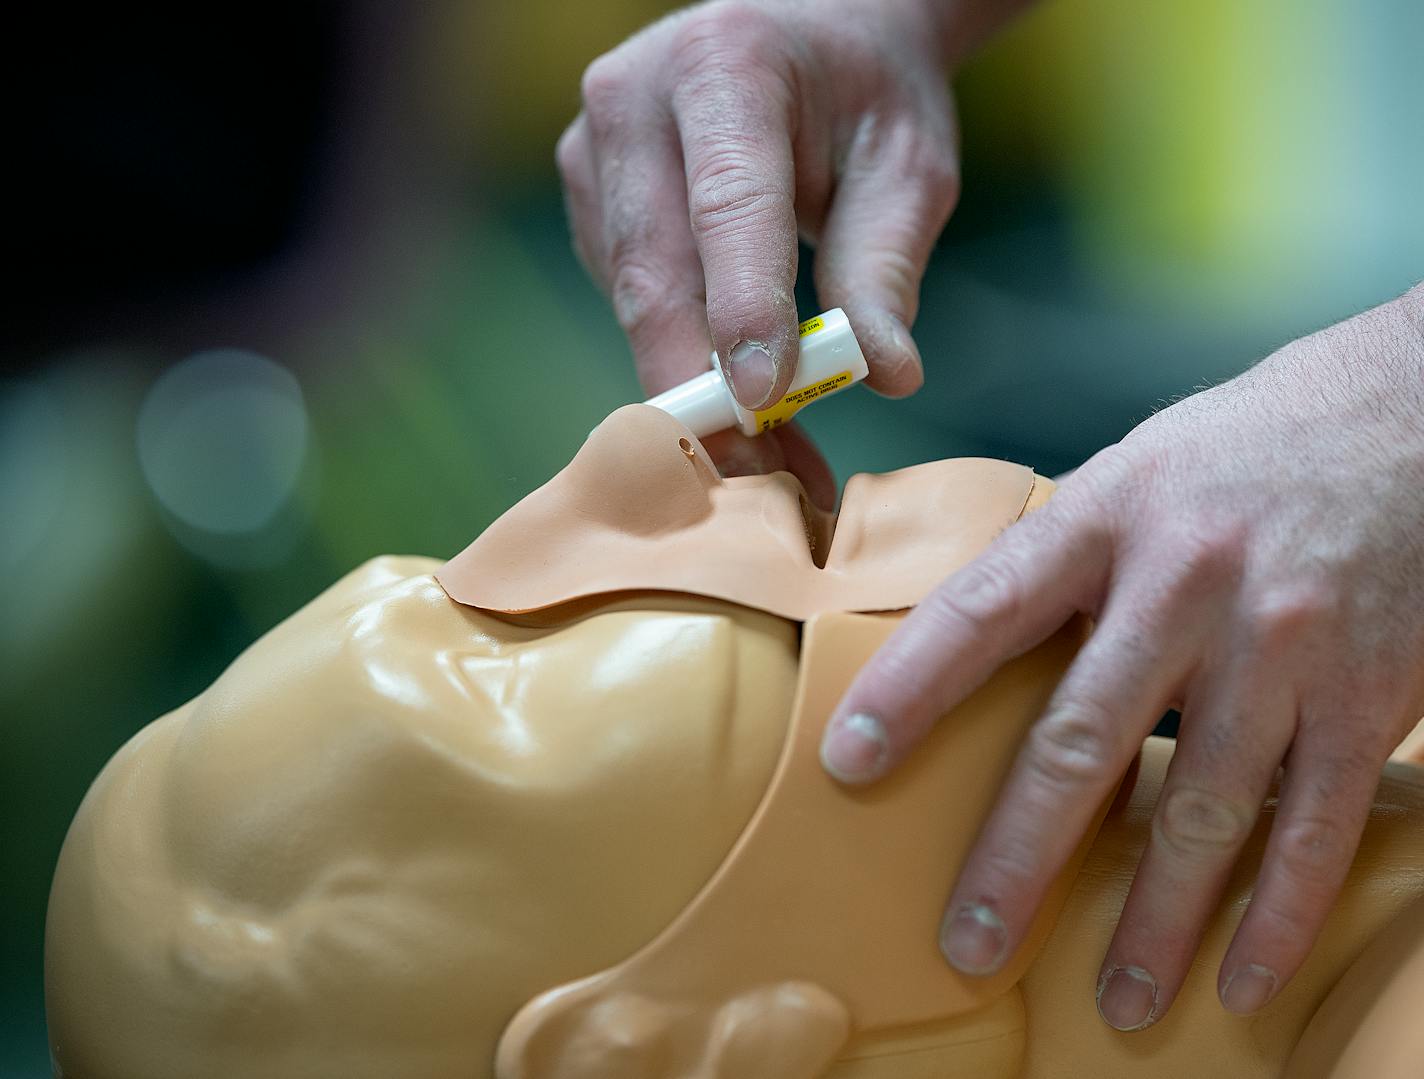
(578, 762)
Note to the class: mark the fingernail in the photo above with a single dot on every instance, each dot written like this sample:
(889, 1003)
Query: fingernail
(973, 939)
(898, 370)
(752, 374)
(855, 748)
(1248, 988)
(1127, 998)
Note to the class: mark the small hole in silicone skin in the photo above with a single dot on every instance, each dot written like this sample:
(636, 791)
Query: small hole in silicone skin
(686, 447)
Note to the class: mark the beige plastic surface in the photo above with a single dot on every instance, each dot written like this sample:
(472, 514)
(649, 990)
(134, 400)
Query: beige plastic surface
(393, 820)
(1412, 748)
(642, 507)
(1369, 1026)
(823, 920)
(1198, 1037)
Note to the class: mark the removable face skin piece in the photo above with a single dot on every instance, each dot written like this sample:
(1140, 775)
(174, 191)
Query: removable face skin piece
(641, 507)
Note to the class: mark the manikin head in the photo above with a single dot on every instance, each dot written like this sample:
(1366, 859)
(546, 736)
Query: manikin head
(396, 818)
(562, 792)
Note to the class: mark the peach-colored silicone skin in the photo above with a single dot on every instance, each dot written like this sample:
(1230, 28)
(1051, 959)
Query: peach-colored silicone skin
(401, 827)
(642, 507)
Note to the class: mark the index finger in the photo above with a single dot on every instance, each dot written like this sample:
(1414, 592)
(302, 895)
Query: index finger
(1032, 579)
(733, 111)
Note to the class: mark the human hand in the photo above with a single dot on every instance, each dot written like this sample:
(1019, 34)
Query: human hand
(1255, 552)
(711, 138)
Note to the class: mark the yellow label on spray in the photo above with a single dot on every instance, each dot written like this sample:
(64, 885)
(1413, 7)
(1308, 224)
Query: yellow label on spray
(811, 325)
(796, 400)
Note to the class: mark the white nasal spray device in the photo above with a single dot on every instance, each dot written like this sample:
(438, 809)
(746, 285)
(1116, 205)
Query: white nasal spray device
(829, 362)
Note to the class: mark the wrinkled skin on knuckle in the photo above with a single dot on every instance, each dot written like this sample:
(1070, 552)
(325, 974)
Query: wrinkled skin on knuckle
(1312, 854)
(1197, 823)
(1075, 746)
(727, 194)
(980, 597)
(639, 296)
(708, 38)
(630, 234)
(725, 73)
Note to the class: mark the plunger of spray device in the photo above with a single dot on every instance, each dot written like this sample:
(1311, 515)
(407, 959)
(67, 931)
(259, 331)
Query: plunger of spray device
(830, 360)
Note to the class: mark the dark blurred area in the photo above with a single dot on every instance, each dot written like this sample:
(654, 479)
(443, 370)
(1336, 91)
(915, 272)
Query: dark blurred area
(156, 153)
(291, 287)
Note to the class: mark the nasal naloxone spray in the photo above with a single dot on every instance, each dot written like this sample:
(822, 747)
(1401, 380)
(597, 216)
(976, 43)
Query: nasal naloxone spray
(830, 360)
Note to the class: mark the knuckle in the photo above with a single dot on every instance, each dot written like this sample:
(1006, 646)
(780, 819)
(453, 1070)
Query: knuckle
(1113, 476)
(604, 87)
(726, 191)
(706, 35)
(1193, 822)
(639, 295)
(1285, 615)
(895, 265)
(1074, 746)
(982, 594)
(1208, 552)
(1312, 852)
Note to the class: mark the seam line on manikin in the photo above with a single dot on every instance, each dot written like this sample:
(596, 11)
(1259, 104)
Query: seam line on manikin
(1032, 487)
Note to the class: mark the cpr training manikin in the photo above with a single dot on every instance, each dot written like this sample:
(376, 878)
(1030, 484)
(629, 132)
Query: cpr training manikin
(554, 810)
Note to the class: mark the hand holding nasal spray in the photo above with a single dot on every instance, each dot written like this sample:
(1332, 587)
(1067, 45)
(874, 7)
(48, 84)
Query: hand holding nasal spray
(830, 360)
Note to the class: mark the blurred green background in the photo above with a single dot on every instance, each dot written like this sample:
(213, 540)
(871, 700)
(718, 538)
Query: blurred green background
(293, 288)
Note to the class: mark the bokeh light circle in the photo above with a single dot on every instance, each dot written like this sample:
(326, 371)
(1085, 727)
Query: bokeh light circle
(221, 440)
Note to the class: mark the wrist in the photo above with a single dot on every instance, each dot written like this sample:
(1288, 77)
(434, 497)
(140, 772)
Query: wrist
(1370, 367)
